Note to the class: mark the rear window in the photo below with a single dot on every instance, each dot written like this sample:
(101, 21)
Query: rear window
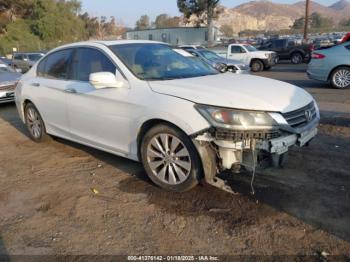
(18, 57)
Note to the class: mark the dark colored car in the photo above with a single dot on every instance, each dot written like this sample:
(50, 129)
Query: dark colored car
(25, 61)
(288, 49)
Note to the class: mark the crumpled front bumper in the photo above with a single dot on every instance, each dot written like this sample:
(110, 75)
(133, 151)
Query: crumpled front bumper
(240, 148)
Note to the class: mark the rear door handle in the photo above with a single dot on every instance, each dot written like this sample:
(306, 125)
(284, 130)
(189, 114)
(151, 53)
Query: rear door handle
(36, 84)
(70, 90)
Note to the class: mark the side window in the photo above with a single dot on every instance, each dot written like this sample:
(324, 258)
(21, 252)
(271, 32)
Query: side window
(18, 57)
(87, 61)
(236, 49)
(291, 44)
(56, 65)
(278, 44)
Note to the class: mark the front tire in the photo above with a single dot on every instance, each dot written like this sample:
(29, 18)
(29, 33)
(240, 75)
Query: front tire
(170, 158)
(340, 78)
(34, 123)
(257, 66)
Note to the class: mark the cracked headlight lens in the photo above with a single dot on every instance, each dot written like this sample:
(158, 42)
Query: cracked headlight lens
(236, 119)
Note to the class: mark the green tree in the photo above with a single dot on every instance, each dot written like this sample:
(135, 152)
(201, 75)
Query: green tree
(57, 21)
(299, 23)
(19, 35)
(198, 8)
(143, 23)
(91, 25)
(315, 21)
(164, 21)
(318, 21)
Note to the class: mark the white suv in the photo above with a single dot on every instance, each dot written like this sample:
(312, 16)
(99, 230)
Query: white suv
(144, 101)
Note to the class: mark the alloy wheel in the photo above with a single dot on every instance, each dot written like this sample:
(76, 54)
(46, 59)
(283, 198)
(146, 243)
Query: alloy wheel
(34, 123)
(169, 159)
(342, 78)
(297, 59)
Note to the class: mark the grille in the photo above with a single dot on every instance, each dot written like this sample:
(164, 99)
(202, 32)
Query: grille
(231, 135)
(302, 116)
(7, 88)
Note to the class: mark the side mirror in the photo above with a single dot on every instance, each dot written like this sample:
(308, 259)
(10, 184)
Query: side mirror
(104, 80)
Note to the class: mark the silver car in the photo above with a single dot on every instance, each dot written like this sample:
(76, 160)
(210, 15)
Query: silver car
(219, 62)
(25, 61)
(331, 65)
(8, 81)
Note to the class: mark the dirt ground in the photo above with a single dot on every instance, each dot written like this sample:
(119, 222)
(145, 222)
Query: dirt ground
(63, 198)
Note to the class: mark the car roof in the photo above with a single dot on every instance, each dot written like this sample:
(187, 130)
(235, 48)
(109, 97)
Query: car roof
(112, 42)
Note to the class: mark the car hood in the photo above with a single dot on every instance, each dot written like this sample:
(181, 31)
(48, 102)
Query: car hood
(7, 78)
(236, 91)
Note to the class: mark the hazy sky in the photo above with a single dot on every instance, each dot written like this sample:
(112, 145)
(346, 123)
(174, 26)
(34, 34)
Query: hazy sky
(130, 10)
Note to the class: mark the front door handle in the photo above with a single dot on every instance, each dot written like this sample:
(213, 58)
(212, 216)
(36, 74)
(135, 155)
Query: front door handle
(70, 90)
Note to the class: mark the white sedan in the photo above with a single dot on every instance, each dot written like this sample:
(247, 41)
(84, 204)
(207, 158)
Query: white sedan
(181, 118)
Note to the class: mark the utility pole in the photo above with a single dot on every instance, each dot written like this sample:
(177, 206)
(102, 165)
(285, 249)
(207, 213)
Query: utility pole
(307, 14)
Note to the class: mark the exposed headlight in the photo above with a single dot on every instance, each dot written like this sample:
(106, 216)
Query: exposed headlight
(221, 67)
(236, 119)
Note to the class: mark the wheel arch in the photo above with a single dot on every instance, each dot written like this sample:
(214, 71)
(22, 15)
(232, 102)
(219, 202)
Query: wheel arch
(146, 126)
(335, 68)
(297, 51)
(208, 167)
(255, 59)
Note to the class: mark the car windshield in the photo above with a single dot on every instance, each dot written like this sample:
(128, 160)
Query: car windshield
(250, 48)
(209, 55)
(35, 57)
(160, 62)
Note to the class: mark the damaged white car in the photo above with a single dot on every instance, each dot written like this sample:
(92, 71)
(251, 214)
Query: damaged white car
(181, 118)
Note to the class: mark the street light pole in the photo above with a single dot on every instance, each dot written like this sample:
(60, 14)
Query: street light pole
(307, 14)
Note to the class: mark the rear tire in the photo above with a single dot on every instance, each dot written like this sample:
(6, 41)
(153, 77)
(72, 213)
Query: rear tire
(35, 123)
(257, 66)
(340, 78)
(170, 158)
(296, 58)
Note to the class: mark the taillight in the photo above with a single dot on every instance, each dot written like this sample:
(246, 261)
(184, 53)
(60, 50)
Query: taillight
(317, 56)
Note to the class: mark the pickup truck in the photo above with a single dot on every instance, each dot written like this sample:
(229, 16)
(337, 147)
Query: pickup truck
(289, 49)
(247, 54)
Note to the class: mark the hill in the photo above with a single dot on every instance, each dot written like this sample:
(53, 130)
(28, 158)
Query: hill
(268, 15)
